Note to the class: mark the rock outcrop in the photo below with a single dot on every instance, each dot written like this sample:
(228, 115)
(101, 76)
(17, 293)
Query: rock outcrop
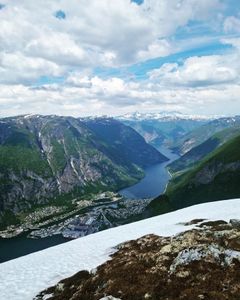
(201, 263)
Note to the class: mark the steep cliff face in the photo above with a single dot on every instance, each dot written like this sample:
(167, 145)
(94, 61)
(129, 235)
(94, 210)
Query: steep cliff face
(214, 177)
(47, 157)
(126, 143)
(199, 135)
(197, 153)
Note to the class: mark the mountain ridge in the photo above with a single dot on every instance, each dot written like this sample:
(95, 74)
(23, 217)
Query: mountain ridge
(161, 129)
(164, 116)
(197, 153)
(215, 177)
(199, 135)
(54, 158)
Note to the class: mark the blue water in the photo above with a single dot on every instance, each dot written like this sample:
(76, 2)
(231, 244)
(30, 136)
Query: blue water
(155, 180)
(21, 245)
(152, 185)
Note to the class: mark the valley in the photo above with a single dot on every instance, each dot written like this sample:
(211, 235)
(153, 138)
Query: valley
(104, 210)
(156, 179)
(119, 150)
(52, 160)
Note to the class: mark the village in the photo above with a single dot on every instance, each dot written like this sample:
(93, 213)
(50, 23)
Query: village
(96, 219)
(102, 211)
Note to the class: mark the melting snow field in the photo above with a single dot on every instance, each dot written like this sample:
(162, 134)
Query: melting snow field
(24, 277)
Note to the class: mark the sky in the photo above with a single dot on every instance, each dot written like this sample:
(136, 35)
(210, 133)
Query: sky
(112, 57)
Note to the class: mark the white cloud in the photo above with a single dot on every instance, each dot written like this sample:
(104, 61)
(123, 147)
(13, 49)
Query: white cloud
(108, 33)
(205, 84)
(232, 25)
(154, 50)
(15, 67)
(94, 33)
(199, 71)
(235, 42)
(58, 48)
(79, 80)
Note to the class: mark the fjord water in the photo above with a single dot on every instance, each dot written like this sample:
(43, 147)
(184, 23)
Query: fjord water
(155, 180)
(152, 185)
(21, 245)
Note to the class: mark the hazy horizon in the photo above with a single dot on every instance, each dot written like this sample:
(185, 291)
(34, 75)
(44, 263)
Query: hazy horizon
(130, 114)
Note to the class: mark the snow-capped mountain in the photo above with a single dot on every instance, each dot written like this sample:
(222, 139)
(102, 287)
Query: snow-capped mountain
(163, 128)
(25, 277)
(165, 116)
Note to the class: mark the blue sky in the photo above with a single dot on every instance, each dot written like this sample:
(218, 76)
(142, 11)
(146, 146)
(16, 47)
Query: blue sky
(141, 69)
(106, 57)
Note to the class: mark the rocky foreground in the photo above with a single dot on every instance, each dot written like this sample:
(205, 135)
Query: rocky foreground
(201, 263)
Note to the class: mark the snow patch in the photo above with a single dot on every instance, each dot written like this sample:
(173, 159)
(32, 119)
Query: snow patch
(25, 277)
(48, 296)
(165, 116)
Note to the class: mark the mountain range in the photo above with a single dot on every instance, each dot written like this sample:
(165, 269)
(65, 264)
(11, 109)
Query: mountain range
(48, 160)
(52, 159)
(199, 135)
(207, 170)
(160, 129)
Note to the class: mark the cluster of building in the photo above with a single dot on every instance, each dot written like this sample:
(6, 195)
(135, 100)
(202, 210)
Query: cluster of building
(104, 211)
(80, 227)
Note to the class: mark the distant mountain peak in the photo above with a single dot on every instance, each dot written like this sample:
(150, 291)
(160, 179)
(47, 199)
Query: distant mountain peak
(164, 116)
